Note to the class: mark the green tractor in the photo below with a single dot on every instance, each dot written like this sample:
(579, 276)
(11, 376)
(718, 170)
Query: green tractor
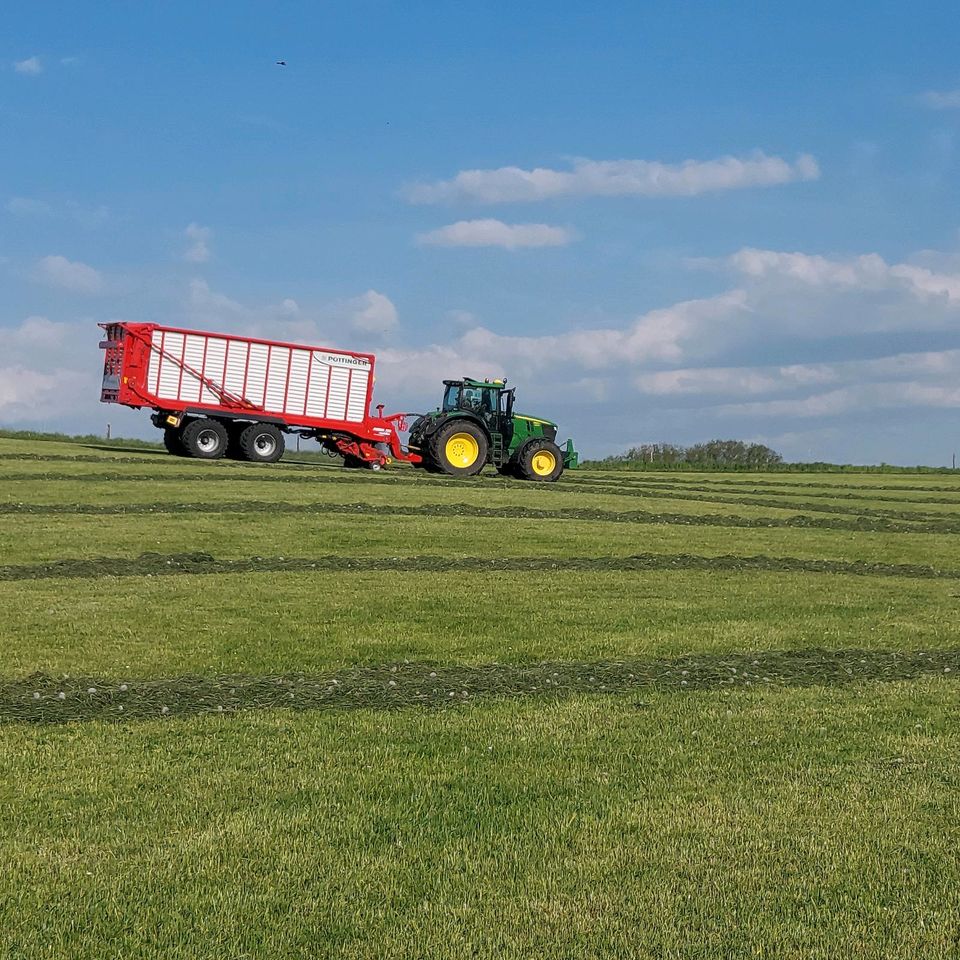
(476, 425)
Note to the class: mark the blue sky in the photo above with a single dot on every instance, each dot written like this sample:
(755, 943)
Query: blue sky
(661, 221)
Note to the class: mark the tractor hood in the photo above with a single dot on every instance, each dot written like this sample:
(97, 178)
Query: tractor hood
(529, 419)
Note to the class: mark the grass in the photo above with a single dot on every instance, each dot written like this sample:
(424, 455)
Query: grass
(692, 715)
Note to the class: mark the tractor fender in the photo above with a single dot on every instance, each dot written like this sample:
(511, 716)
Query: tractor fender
(437, 422)
(515, 457)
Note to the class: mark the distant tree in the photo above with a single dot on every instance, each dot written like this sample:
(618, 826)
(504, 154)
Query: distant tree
(666, 453)
(733, 454)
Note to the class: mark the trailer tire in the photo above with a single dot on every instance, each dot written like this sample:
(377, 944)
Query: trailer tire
(205, 439)
(234, 432)
(261, 443)
(540, 460)
(173, 442)
(459, 448)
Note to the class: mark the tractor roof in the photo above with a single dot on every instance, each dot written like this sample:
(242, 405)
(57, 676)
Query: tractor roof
(470, 382)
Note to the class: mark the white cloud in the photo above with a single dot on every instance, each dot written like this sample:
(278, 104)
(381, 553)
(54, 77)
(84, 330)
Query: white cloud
(57, 271)
(204, 299)
(34, 332)
(31, 395)
(496, 233)
(867, 272)
(373, 312)
(596, 357)
(616, 178)
(941, 99)
(198, 250)
(31, 66)
(857, 398)
(795, 378)
(50, 370)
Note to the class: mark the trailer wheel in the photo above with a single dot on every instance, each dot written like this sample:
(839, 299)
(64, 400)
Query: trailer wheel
(234, 431)
(540, 460)
(204, 439)
(261, 443)
(459, 448)
(173, 442)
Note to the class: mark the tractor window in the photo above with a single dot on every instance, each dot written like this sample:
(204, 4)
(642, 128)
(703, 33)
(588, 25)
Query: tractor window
(451, 399)
(471, 398)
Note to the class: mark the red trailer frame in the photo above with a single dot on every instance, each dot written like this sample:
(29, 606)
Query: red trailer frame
(319, 393)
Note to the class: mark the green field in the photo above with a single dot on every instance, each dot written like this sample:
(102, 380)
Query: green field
(296, 711)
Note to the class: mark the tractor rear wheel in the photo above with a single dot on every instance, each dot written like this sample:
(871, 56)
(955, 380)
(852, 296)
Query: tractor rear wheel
(540, 460)
(261, 443)
(459, 448)
(173, 442)
(205, 439)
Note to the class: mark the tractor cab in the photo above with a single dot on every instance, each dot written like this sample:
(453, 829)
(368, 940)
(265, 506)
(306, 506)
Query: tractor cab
(490, 400)
(476, 424)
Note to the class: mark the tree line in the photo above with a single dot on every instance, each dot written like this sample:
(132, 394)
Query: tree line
(728, 454)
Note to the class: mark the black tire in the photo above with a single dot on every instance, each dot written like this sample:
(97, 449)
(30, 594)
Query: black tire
(205, 439)
(262, 443)
(417, 443)
(234, 431)
(173, 441)
(534, 462)
(441, 448)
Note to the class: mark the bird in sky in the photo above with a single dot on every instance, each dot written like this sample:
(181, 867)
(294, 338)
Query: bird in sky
(281, 63)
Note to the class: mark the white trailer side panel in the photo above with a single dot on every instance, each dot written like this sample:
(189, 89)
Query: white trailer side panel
(275, 378)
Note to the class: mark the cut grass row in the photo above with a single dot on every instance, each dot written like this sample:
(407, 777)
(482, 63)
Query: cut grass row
(448, 508)
(797, 498)
(194, 564)
(43, 699)
(45, 539)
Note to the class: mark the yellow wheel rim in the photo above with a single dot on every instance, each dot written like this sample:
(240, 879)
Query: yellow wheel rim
(462, 450)
(543, 463)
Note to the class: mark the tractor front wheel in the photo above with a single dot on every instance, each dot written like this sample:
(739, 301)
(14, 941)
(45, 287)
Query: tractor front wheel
(459, 448)
(540, 460)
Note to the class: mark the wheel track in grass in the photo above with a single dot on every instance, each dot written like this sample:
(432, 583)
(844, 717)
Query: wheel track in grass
(159, 564)
(862, 524)
(43, 699)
